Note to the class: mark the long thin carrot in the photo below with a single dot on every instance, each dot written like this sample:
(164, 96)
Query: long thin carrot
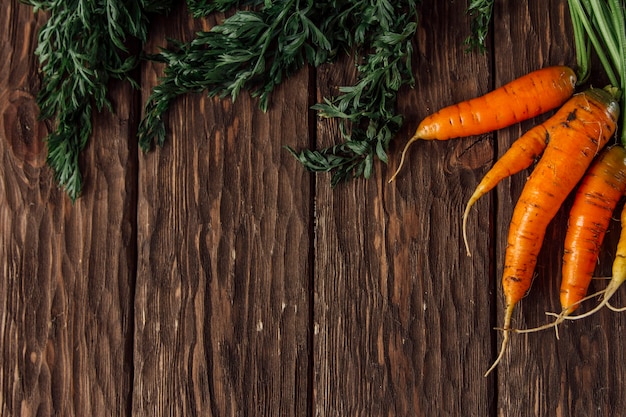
(521, 99)
(522, 153)
(572, 147)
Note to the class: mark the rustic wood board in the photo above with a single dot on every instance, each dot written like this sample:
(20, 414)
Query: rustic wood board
(68, 271)
(395, 333)
(224, 214)
(215, 277)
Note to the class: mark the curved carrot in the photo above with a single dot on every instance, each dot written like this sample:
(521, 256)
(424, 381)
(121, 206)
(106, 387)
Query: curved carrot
(572, 146)
(521, 99)
(522, 153)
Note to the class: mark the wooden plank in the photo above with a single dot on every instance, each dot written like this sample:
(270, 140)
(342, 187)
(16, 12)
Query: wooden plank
(225, 318)
(67, 270)
(223, 293)
(580, 374)
(402, 315)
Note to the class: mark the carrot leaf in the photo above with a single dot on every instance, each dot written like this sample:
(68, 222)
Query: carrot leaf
(480, 12)
(258, 47)
(81, 47)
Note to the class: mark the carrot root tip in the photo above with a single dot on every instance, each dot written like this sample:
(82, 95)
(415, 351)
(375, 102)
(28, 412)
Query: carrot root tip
(505, 341)
(508, 313)
(560, 318)
(402, 156)
(607, 294)
(464, 228)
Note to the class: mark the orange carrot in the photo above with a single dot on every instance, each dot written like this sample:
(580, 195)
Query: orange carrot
(596, 198)
(521, 99)
(522, 153)
(590, 215)
(571, 148)
(618, 273)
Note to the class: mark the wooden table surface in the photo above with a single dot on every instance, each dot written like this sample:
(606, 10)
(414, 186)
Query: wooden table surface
(216, 277)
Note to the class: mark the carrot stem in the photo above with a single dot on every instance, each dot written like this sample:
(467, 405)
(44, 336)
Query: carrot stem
(582, 14)
(603, 24)
(583, 53)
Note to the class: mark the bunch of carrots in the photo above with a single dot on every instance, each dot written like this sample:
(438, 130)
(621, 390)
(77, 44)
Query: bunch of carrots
(571, 150)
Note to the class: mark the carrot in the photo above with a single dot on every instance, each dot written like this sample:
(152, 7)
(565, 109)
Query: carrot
(522, 153)
(618, 274)
(596, 198)
(589, 219)
(521, 99)
(571, 148)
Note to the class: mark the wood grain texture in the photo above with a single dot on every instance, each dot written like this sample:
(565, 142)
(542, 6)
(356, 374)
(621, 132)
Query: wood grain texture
(222, 306)
(67, 286)
(402, 316)
(216, 277)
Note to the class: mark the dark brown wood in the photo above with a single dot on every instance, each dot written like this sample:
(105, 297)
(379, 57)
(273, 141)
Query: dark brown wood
(402, 316)
(215, 277)
(67, 270)
(223, 288)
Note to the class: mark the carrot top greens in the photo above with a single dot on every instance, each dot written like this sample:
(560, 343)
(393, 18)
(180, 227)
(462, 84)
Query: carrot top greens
(258, 46)
(601, 25)
(86, 43)
(480, 12)
(80, 48)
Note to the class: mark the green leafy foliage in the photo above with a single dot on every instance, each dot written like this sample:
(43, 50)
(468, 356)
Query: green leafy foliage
(85, 44)
(601, 24)
(367, 110)
(80, 48)
(256, 48)
(200, 8)
(481, 12)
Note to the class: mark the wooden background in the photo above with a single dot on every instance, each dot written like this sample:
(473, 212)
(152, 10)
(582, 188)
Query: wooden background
(216, 277)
